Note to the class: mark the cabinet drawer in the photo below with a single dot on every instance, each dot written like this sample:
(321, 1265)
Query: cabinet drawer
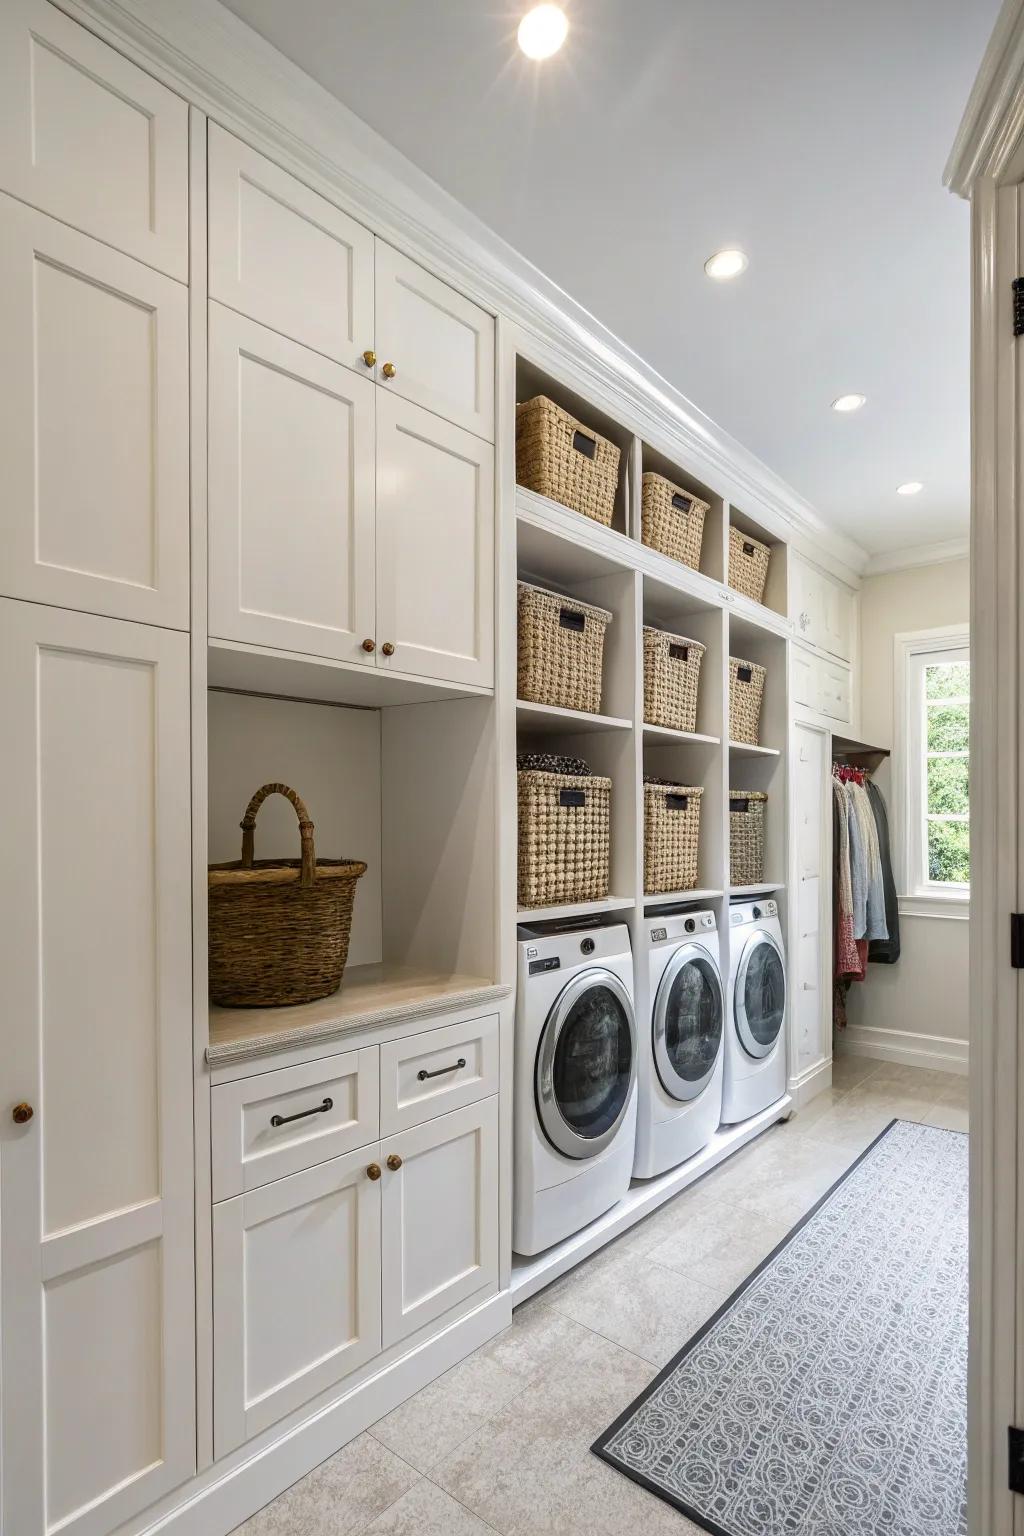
(322, 1109)
(427, 1075)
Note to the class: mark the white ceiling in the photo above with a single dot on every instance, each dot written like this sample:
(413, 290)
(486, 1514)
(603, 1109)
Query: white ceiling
(812, 133)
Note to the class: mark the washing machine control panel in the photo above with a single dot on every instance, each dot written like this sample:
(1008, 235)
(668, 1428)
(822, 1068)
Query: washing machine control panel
(691, 923)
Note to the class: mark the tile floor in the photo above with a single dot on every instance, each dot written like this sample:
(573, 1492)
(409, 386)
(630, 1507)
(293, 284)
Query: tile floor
(501, 1442)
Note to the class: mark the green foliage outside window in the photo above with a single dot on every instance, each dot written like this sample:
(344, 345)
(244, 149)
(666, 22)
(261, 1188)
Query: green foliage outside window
(947, 740)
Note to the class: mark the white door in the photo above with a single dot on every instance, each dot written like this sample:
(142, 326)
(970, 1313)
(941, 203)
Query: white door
(838, 605)
(440, 1217)
(435, 542)
(96, 1187)
(89, 137)
(440, 346)
(806, 601)
(285, 256)
(291, 519)
(296, 1305)
(94, 425)
(805, 672)
(811, 1042)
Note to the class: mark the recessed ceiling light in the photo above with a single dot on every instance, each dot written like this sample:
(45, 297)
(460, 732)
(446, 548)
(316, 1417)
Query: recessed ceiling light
(909, 488)
(542, 31)
(849, 402)
(725, 264)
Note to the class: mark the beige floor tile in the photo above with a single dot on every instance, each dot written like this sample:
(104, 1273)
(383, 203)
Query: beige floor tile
(720, 1247)
(538, 1340)
(341, 1497)
(948, 1117)
(847, 1071)
(426, 1427)
(426, 1510)
(597, 1500)
(805, 1119)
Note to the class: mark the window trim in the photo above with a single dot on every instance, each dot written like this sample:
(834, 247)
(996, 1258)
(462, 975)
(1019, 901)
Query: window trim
(922, 897)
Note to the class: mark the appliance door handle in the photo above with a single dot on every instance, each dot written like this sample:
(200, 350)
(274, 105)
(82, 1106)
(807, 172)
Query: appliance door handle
(318, 1109)
(423, 1074)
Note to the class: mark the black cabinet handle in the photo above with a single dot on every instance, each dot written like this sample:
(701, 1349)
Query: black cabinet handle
(319, 1109)
(423, 1075)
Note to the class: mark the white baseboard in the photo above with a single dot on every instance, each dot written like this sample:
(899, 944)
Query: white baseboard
(810, 1083)
(904, 1047)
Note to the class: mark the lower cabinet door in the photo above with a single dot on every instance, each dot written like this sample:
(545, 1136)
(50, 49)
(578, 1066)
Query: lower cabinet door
(296, 1291)
(440, 1217)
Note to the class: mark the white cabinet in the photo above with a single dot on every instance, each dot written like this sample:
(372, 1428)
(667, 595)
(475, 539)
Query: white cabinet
(435, 546)
(297, 1301)
(291, 488)
(430, 1074)
(820, 686)
(440, 1217)
(440, 345)
(97, 1289)
(92, 139)
(822, 609)
(810, 1010)
(285, 256)
(94, 427)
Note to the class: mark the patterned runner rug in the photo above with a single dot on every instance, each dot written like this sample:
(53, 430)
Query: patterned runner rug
(828, 1396)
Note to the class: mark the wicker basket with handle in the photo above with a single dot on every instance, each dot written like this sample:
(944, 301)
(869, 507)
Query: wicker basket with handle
(671, 836)
(564, 838)
(671, 519)
(671, 679)
(748, 564)
(560, 649)
(746, 836)
(279, 928)
(746, 693)
(560, 457)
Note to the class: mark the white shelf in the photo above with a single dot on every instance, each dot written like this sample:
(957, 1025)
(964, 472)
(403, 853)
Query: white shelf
(669, 898)
(575, 909)
(549, 720)
(746, 749)
(756, 890)
(666, 733)
(244, 668)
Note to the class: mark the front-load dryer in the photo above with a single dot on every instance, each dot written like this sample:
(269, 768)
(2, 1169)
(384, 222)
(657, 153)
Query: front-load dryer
(679, 1105)
(575, 1081)
(755, 1039)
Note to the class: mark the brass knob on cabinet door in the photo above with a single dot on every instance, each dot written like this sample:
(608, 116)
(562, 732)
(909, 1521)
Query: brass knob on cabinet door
(22, 1113)
(387, 649)
(389, 370)
(373, 1172)
(394, 1162)
(368, 646)
(369, 357)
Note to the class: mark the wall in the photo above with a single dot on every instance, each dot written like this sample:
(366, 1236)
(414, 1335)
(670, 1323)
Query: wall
(915, 1010)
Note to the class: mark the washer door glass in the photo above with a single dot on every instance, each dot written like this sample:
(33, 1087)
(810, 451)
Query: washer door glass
(586, 1064)
(760, 995)
(687, 1023)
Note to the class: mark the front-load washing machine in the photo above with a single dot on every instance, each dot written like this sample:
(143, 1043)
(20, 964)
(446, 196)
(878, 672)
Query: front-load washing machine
(575, 1081)
(755, 1038)
(679, 1105)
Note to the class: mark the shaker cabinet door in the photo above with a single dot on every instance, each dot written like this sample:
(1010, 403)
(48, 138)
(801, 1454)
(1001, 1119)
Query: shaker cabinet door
(291, 520)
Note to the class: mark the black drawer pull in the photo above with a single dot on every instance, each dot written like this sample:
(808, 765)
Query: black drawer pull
(318, 1109)
(423, 1074)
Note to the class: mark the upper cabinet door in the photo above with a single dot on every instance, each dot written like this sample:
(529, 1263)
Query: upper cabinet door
(838, 620)
(435, 543)
(439, 344)
(92, 139)
(291, 522)
(94, 429)
(97, 1287)
(286, 256)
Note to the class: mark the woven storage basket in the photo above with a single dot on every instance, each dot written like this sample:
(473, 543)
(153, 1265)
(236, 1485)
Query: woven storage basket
(748, 564)
(672, 520)
(671, 837)
(561, 649)
(560, 457)
(564, 838)
(746, 693)
(279, 928)
(671, 679)
(746, 836)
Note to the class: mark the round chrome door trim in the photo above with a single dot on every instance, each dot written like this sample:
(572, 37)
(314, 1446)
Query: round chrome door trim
(680, 1088)
(553, 1123)
(750, 1045)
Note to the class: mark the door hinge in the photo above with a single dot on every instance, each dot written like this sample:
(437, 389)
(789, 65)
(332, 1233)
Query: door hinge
(1016, 1459)
(1018, 306)
(1017, 940)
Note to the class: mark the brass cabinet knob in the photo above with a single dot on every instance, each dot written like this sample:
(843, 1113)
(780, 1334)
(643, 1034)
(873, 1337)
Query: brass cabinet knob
(373, 1172)
(368, 646)
(389, 370)
(369, 357)
(394, 1162)
(22, 1113)
(387, 649)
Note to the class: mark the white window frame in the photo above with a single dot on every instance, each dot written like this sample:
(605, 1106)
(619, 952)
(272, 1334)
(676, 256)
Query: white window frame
(914, 651)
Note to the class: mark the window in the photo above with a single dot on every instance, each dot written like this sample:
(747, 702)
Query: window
(932, 762)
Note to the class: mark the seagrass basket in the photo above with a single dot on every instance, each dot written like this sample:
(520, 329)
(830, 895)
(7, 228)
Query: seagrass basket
(748, 564)
(671, 519)
(671, 836)
(746, 836)
(671, 679)
(560, 457)
(560, 649)
(279, 928)
(564, 838)
(746, 694)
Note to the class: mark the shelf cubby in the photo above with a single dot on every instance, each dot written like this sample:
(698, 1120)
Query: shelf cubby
(776, 586)
(713, 552)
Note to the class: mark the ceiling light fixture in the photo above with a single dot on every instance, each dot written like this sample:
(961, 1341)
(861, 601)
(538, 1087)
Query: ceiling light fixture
(909, 488)
(542, 31)
(849, 402)
(725, 264)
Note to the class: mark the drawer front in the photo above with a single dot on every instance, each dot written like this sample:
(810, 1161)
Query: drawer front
(278, 1123)
(430, 1074)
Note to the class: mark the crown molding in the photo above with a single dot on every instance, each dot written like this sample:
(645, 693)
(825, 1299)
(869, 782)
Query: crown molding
(919, 554)
(993, 120)
(226, 69)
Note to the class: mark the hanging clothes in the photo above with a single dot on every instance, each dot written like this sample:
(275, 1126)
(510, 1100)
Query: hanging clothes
(859, 863)
(886, 951)
(846, 959)
(874, 907)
